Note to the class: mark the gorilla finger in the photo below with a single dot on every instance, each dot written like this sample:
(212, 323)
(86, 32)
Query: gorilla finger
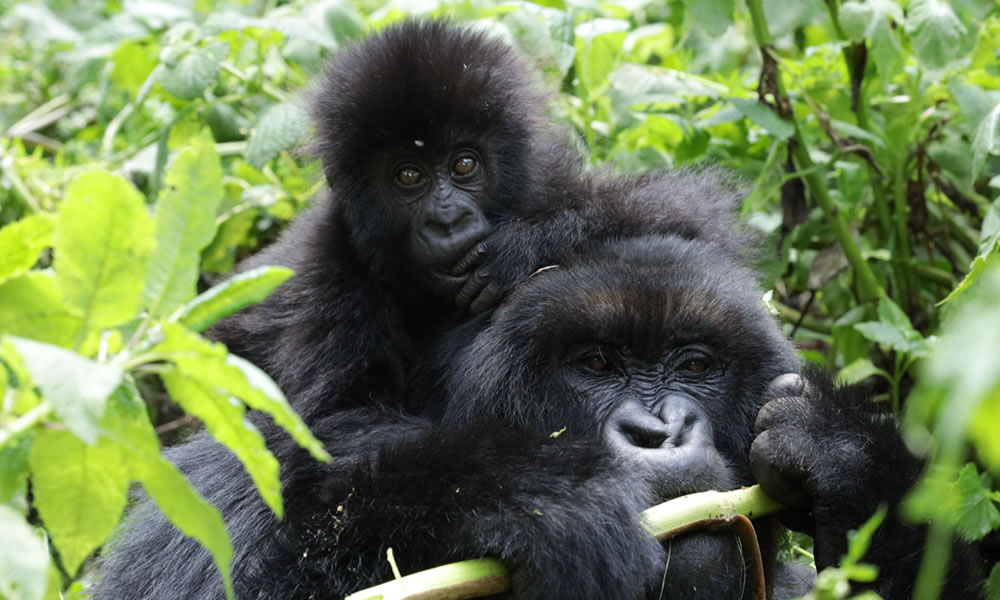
(781, 478)
(488, 299)
(789, 384)
(472, 258)
(473, 288)
(778, 411)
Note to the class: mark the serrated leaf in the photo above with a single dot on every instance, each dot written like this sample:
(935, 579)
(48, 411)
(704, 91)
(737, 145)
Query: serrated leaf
(77, 388)
(128, 426)
(883, 333)
(714, 15)
(231, 296)
(224, 420)
(280, 128)
(185, 223)
(189, 76)
(22, 241)
(80, 491)
(103, 235)
(31, 306)
(202, 360)
(986, 141)
(763, 116)
(935, 32)
(24, 559)
(978, 514)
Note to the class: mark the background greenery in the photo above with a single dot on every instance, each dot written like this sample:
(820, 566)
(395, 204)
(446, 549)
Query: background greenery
(145, 146)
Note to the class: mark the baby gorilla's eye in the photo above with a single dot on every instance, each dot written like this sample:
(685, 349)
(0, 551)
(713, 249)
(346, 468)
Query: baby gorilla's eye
(695, 365)
(597, 363)
(408, 176)
(464, 165)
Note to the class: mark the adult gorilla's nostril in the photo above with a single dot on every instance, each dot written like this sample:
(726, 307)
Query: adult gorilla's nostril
(632, 427)
(644, 437)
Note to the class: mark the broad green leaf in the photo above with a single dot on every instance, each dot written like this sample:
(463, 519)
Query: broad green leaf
(31, 306)
(643, 85)
(190, 75)
(858, 371)
(185, 223)
(22, 241)
(80, 491)
(77, 388)
(714, 15)
(763, 116)
(889, 312)
(887, 52)
(128, 426)
(224, 420)
(993, 586)
(987, 140)
(599, 46)
(978, 514)
(102, 238)
(280, 128)
(935, 32)
(24, 559)
(201, 360)
(231, 296)
(133, 61)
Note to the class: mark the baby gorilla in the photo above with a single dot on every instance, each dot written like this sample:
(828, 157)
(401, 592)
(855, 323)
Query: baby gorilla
(653, 356)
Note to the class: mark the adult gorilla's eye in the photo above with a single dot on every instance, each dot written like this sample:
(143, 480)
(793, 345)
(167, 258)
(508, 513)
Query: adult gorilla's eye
(464, 165)
(695, 365)
(408, 176)
(597, 363)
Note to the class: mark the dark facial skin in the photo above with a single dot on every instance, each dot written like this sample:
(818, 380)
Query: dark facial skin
(443, 200)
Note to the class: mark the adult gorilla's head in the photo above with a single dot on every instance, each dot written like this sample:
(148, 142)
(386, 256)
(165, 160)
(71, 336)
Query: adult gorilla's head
(425, 131)
(659, 346)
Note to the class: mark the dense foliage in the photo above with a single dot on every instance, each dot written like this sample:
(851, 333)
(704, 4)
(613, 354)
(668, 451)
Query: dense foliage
(147, 146)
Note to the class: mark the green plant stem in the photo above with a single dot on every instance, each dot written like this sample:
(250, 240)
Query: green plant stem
(934, 275)
(868, 285)
(25, 422)
(486, 576)
(811, 323)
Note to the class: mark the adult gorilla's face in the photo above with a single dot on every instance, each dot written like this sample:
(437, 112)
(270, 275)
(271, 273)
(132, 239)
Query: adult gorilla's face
(661, 347)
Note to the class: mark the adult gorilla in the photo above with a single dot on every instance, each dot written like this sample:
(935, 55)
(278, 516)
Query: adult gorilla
(656, 355)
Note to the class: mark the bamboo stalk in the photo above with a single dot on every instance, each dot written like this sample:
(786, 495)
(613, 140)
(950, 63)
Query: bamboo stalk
(485, 576)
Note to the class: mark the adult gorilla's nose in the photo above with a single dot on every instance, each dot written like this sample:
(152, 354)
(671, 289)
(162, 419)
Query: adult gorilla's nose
(632, 427)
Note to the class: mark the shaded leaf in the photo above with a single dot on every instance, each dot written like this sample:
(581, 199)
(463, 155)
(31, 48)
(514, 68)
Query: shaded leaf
(764, 117)
(987, 140)
(978, 514)
(714, 15)
(280, 128)
(858, 371)
(935, 32)
(31, 306)
(190, 75)
(185, 223)
(231, 296)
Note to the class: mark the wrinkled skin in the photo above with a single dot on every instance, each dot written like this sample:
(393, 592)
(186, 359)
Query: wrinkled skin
(656, 356)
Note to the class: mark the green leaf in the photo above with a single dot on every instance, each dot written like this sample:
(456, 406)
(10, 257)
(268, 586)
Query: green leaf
(231, 296)
(763, 116)
(185, 223)
(22, 241)
(978, 514)
(993, 586)
(80, 491)
(128, 426)
(102, 238)
(976, 269)
(887, 52)
(190, 75)
(208, 362)
(24, 559)
(986, 141)
(31, 306)
(860, 20)
(77, 388)
(714, 15)
(935, 33)
(858, 371)
(280, 128)
(894, 330)
(14, 473)
(224, 420)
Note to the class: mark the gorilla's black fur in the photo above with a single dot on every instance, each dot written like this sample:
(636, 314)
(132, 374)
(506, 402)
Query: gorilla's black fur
(380, 265)
(656, 355)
